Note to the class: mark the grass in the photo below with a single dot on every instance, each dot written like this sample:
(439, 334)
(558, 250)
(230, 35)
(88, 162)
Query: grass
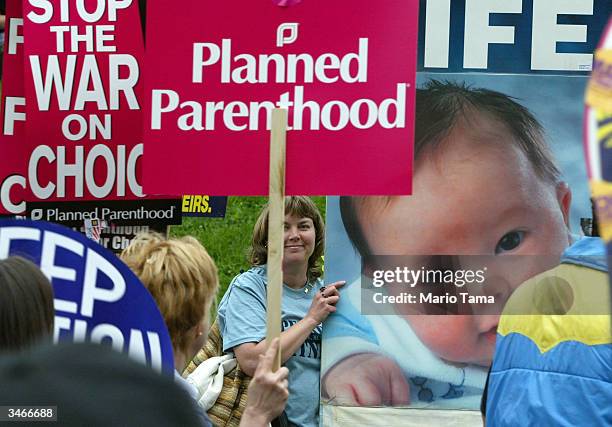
(228, 239)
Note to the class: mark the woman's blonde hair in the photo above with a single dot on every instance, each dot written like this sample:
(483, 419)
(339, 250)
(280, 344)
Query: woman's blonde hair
(181, 277)
(141, 241)
(299, 206)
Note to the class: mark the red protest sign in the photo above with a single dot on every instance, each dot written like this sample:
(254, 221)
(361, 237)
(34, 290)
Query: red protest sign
(345, 71)
(13, 165)
(82, 99)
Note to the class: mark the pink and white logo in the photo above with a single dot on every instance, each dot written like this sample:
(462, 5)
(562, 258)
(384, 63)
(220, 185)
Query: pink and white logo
(286, 33)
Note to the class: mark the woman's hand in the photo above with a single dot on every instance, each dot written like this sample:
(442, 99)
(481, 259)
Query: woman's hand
(268, 391)
(292, 338)
(324, 302)
(366, 379)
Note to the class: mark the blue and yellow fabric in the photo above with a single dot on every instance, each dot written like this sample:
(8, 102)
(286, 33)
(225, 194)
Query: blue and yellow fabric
(553, 357)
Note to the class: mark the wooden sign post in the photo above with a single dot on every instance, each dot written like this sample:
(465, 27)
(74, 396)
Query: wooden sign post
(276, 219)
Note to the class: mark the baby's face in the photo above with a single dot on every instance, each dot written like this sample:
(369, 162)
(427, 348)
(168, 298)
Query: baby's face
(477, 195)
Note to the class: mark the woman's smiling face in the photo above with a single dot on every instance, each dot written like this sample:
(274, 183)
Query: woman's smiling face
(299, 239)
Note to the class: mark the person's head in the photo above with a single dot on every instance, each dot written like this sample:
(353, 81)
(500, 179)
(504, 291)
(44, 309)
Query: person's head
(26, 305)
(484, 183)
(94, 385)
(304, 238)
(183, 280)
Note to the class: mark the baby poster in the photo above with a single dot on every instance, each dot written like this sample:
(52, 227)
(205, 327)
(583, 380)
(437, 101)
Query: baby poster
(499, 188)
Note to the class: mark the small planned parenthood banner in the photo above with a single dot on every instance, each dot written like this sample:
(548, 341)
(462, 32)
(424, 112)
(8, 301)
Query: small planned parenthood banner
(344, 70)
(97, 297)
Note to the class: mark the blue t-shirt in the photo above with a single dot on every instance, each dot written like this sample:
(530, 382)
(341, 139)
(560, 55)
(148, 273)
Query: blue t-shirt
(242, 319)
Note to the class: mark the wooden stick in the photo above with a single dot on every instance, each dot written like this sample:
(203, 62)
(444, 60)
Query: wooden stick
(276, 219)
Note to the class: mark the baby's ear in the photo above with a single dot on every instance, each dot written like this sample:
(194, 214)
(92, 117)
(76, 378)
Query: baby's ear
(564, 197)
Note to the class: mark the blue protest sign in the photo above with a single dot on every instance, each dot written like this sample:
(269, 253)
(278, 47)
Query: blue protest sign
(97, 297)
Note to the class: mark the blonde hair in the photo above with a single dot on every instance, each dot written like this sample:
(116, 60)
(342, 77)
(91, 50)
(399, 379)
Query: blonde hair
(141, 240)
(181, 277)
(299, 206)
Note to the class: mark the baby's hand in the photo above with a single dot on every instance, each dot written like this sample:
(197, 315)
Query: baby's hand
(367, 379)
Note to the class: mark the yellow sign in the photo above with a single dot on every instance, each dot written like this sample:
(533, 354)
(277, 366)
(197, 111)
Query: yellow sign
(602, 195)
(196, 204)
(599, 91)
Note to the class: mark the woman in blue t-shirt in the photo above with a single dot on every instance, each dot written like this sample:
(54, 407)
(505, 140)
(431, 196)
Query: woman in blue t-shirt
(305, 305)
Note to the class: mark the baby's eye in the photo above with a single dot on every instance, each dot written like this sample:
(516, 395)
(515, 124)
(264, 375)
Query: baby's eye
(510, 241)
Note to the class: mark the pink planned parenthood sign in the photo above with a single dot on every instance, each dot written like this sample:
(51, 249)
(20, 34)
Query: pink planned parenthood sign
(345, 70)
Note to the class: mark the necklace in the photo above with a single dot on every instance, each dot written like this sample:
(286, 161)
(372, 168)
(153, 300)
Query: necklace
(308, 287)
